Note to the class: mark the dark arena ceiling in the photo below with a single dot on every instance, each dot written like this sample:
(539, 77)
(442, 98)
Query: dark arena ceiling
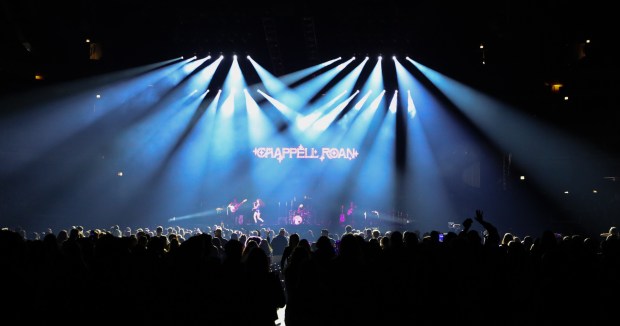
(527, 46)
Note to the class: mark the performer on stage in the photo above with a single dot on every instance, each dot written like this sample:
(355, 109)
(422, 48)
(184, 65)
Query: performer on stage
(234, 205)
(256, 208)
(234, 208)
(299, 215)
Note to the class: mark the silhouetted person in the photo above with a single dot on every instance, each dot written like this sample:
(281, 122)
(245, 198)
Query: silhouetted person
(264, 287)
(279, 242)
(293, 241)
(298, 296)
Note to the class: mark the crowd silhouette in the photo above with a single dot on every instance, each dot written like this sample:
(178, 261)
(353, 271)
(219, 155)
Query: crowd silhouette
(361, 277)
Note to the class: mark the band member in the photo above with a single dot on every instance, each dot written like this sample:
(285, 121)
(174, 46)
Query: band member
(298, 215)
(234, 208)
(256, 208)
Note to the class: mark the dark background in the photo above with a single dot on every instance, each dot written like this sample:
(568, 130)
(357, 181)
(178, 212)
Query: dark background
(528, 46)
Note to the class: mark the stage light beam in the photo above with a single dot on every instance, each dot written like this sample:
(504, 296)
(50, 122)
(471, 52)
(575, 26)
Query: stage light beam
(393, 102)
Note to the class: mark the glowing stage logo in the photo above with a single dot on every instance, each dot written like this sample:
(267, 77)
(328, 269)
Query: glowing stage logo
(301, 152)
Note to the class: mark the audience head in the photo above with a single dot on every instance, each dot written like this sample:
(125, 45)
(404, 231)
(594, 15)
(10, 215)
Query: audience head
(324, 244)
(293, 240)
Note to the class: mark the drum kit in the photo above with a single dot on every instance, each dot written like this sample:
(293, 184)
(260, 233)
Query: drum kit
(299, 216)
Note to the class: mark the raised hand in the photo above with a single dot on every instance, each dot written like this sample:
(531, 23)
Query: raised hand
(479, 215)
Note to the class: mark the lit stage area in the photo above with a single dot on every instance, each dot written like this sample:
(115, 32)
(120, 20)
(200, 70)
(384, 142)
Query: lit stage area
(364, 141)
